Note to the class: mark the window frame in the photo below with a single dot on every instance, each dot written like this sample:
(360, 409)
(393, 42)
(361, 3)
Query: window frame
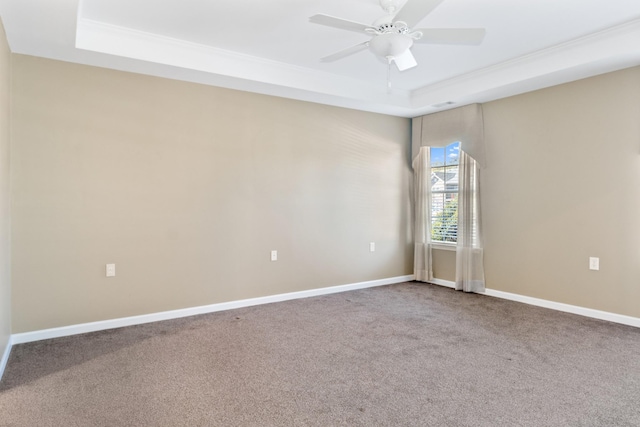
(441, 244)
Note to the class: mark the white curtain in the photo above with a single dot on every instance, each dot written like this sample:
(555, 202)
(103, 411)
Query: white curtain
(422, 188)
(469, 252)
(464, 124)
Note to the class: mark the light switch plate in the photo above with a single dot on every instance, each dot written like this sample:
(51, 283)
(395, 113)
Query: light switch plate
(372, 247)
(594, 263)
(274, 255)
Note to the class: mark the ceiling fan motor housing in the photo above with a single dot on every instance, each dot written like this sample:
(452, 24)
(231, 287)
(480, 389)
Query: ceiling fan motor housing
(387, 25)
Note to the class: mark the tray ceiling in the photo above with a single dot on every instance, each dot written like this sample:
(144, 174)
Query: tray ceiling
(271, 47)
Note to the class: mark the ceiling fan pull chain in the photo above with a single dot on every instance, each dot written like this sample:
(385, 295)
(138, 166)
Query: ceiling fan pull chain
(388, 75)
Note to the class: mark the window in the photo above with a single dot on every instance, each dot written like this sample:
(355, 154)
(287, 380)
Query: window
(444, 193)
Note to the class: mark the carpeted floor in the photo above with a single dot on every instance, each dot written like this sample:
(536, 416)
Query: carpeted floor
(402, 355)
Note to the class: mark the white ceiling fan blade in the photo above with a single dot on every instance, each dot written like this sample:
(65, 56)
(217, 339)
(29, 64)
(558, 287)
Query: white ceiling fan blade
(405, 61)
(414, 10)
(343, 24)
(464, 36)
(346, 52)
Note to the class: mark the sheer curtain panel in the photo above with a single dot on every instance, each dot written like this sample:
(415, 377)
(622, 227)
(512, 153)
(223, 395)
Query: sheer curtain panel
(469, 251)
(422, 187)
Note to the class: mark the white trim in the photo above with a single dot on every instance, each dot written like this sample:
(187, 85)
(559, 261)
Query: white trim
(585, 56)
(567, 308)
(445, 283)
(132, 50)
(175, 314)
(82, 328)
(116, 40)
(5, 357)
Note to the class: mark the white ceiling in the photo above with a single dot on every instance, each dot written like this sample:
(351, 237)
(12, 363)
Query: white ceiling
(269, 46)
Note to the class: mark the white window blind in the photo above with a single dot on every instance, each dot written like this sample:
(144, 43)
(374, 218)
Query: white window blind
(444, 193)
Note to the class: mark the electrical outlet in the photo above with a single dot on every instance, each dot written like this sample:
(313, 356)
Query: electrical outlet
(372, 247)
(274, 255)
(111, 270)
(594, 263)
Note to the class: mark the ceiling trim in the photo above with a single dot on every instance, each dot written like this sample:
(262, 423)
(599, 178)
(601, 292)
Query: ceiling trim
(621, 41)
(115, 40)
(536, 70)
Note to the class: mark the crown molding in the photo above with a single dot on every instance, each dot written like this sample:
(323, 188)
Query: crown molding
(130, 43)
(588, 52)
(543, 68)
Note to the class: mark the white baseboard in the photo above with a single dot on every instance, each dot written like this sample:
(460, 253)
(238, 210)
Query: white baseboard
(445, 283)
(567, 308)
(64, 331)
(192, 311)
(5, 357)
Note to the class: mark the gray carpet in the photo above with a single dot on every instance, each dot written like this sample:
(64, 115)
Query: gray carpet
(401, 355)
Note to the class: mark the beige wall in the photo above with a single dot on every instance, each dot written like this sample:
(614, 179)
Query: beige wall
(187, 188)
(562, 183)
(5, 199)
(444, 264)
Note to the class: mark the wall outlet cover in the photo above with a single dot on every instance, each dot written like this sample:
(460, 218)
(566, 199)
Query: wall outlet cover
(111, 270)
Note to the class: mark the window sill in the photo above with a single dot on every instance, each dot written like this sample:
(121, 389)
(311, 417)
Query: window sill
(444, 246)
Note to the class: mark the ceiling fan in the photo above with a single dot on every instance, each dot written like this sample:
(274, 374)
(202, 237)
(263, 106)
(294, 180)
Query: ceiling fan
(393, 34)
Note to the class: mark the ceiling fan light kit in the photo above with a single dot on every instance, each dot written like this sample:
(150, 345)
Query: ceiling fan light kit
(390, 45)
(392, 34)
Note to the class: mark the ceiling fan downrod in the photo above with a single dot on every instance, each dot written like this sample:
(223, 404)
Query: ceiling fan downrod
(389, 6)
